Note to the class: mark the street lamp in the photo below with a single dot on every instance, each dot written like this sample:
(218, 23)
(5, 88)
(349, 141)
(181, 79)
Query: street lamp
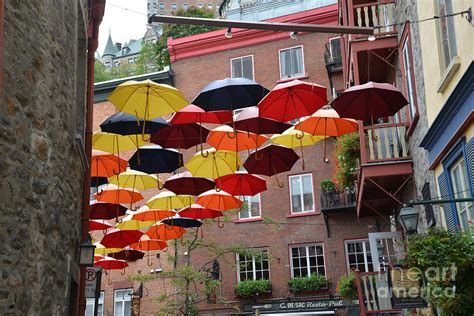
(87, 253)
(408, 218)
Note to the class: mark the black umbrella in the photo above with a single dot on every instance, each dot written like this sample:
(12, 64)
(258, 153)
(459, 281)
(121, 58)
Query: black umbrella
(128, 255)
(98, 181)
(182, 222)
(230, 94)
(156, 159)
(127, 124)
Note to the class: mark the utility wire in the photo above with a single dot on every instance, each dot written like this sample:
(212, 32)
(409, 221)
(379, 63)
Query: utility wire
(126, 9)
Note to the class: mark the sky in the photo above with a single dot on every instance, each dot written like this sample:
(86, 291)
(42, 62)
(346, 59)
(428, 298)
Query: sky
(126, 19)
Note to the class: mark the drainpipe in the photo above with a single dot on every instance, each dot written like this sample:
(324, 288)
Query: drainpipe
(96, 12)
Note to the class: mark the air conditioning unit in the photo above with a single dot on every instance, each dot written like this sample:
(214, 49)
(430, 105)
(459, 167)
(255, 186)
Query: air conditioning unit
(156, 270)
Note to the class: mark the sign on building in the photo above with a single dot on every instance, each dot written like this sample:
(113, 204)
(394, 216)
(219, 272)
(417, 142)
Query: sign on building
(92, 281)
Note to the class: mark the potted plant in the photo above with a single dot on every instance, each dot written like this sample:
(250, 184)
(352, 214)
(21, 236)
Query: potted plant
(311, 283)
(346, 286)
(327, 185)
(250, 288)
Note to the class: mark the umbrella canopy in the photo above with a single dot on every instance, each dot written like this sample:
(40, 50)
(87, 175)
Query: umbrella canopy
(226, 138)
(117, 238)
(97, 224)
(197, 211)
(165, 232)
(249, 120)
(326, 122)
(118, 195)
(182, 222)
(102, 251)
(147, 244)
(135, 179)
(169, 200)
(212, 163)
(369, 101)
(185, 183)
(273, 159)
(114, 143)
(155, 159)
(98, 181)
(293, 100)
(128, 223)
(109, 263)
(106, 210)
(230, 94)
(293, 138)
(182, 136)
(219, 200)
(241, 183)
(127, 124)
(128, 255)
(106, 165)
(147, 99)
(194, 114)
(146, 214)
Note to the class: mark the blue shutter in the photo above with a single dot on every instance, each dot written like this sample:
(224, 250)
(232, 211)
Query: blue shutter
(447, 207)
(470, 162)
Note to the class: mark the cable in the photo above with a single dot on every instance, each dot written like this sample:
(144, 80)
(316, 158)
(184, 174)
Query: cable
(126, 9)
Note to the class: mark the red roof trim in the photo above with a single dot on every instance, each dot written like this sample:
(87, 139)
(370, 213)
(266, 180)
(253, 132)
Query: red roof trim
(213, 42)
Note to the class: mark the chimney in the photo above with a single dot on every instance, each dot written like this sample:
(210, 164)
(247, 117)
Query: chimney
(118, 46)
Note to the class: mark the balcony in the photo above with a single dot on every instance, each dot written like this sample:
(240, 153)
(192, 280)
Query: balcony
(333, 60)
(337, 201)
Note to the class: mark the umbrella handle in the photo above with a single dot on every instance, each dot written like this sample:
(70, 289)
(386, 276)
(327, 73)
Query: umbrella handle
(165, 249)
(181, 242)
(109, 282)
(232, 135)
(123, 272)
(206, 155)
(169, 227)
(160, 187)
(99, 192)
(115, 172)
(202, 232)
(148, 262)
(257, 157)
(134, 208)
(219, 223)
(299, 136)
(146, 138)
(278, 182)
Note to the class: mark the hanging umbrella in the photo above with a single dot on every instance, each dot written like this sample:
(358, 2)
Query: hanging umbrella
(226, 138)
(117, 195)
(292, 138)
(114, 143)
(241, 183)
(98, 181)
(194, 114)
(109, 263)
(128, 254)
(106, 210)
(185, 183)
(165, 232)
(169, 200)
(221, 200)
(369, 101)
(146, 214)
(230, 94)
(127, 124)
(273, 159)
(101, 250)
(155, 159)
(104, 164)
(197, 211)
(182, 222)
(181, 136)
(96, 224)
(293, 100)
(128, 223)
(135, 180)
(146, 244)
(249, 120)
(326, 122)
(212, 163)
(117, 238)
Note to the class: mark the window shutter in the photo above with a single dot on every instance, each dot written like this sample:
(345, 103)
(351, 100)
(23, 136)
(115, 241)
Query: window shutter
(447, 207)
(470, 163)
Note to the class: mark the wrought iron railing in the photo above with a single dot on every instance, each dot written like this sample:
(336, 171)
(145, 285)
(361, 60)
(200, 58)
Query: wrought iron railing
(338, 199)
(333, 61)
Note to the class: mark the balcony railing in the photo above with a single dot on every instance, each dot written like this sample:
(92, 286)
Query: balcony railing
(333, 60)
(373, 14)
(384, 142)
(337, 200)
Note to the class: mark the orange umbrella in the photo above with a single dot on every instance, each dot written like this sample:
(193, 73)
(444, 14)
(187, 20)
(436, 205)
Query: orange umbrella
(146, 244)
(145, 214)
(162, 231)
(219, 200)
(326, 122)
(226, 138)
(106, 165)
(117, 195)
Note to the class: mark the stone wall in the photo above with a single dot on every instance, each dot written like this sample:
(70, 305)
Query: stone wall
(41, 172)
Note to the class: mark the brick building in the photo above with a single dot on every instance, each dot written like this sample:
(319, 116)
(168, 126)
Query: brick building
(167, 7)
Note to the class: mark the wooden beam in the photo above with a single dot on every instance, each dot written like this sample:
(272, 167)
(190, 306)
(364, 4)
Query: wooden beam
(271, 26)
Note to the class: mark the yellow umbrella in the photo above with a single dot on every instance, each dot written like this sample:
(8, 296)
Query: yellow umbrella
(114, 143)
(128, 223)
(101, 250)
(212, 163)
(147, 99)
(169, 200)
(294, 138)
(135, 179)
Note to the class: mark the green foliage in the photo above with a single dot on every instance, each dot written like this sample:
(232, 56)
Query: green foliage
(101, 73)
(438, 250)
(327, 185)
(348, 156)
(346, 286)
(313, 282)
(251, 288)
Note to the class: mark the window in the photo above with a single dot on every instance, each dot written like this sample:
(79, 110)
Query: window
(461, 189)
(162, 5)
(253, 268)
(291, 62)
(429, 213)
(123, 302)
(306, 260)
(242, 67)
(90, 302)
(446, 32)
(174, 7)
(117, 63)
(301, 191)
(131, 60)
(200, 5)
(185, 6)
(209, 6)
(409, 82)
(335, 48)
(358, 255)
(251, 208)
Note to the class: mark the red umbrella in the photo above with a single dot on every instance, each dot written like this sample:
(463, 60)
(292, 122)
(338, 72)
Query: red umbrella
(185, 183)
(117, 238)
(194, 114)
(293, 100)
(249, 120)
(109, 263)
(273, 159)
(181, 136)
(369, 101)
(197, 211)
(128, 255)
(106, 210)
(99, 225)
(241, 183)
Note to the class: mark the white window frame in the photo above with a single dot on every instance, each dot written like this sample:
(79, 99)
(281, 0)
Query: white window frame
(91, 302)
(331, 53)
(364, 249)
(185, 6)
(210, 6)
(279, 62)
(409, 82)
(200, 5)
(174, 6)
(241, 57)
(123, 300)
(162, 6)
(461, 207)
(254, 268)
(301, 193)
(244, 198)
(307, 258)
(451, 34)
